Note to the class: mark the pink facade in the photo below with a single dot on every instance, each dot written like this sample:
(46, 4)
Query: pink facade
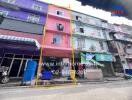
(57, 42)
(53, 9)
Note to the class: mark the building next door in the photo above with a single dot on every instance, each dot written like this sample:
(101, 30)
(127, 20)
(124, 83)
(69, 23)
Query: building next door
(16, 63)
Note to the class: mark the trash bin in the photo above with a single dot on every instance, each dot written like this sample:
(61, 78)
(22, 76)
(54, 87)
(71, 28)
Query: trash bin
(46, 75)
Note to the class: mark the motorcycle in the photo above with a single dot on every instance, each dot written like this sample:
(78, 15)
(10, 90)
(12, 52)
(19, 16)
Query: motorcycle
(4, 78)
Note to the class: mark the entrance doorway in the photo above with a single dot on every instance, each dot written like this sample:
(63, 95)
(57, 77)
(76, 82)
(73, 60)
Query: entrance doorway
(15, 68)
(16, 63)
(54, 64)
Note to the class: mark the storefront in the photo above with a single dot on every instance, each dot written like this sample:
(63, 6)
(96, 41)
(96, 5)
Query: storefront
(95, 61)
(106, 60)
(16, 51)
(60, 67)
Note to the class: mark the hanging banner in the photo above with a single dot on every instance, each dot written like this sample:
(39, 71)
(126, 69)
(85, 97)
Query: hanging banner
(89, 56)
(104, 57)
(85, 59)
(97, 63)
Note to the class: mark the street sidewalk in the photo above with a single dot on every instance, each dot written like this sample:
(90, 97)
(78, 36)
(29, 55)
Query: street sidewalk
(65, 82)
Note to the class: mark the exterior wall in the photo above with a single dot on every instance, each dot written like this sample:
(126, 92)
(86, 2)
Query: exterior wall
(52, 21)
(62, 49)
(23, 14)
(107, 34)
(128, 50)
(118, 28)
(87, 19)
(64, 44)
(121, 40)
(126, 29)
(93, 35)
(21, 26)
(89, 43)
(29, 4)
(53, 9)
(93, 32)
(105, 25)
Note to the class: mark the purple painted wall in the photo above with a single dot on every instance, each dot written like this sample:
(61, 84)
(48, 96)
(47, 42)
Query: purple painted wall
(26, 9)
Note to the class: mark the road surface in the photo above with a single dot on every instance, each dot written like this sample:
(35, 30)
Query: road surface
(121, 90)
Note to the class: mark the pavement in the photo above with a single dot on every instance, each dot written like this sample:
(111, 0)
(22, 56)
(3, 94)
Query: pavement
(17, 82)
(115, 90)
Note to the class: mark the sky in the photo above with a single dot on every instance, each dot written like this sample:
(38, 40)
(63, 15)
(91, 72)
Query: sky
(75, 5)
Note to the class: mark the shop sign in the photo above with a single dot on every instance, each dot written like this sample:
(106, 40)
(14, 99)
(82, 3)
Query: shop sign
(104, 57)
(85, 59)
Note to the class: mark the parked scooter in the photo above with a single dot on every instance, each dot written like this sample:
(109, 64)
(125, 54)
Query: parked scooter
(4, 78)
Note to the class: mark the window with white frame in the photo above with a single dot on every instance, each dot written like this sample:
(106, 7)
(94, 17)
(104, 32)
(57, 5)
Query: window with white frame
(4, 13)
(33, 18)
(60, 13)
(56, 39)
(10, 1)
(37, 7)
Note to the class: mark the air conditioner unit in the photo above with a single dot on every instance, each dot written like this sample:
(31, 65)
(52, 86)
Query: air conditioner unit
(60, 27)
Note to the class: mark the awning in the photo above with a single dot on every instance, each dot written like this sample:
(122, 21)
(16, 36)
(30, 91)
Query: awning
(20, 39)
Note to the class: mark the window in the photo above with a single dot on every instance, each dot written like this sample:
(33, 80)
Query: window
(59, 13)
(78, 18)
(101, 45)
(33, 18)
(81, 30)
(4, 13)
(10, 1)
(92, 47)
(59, 27)
(56, 39)
(37, 7)
(81, 43)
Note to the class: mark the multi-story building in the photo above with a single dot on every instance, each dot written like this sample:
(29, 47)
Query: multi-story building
(22, 25)
(127, 45)
(21, 32)
(121, 46)
(57, 48)
(90, 38)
